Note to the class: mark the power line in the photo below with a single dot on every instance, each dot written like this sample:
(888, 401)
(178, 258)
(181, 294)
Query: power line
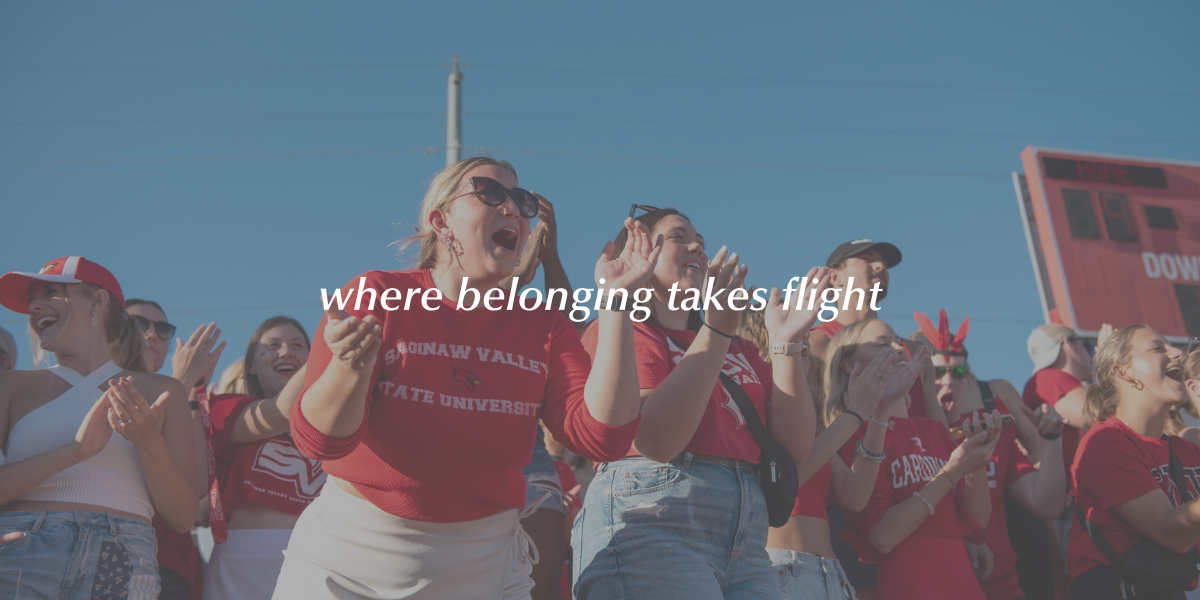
(218, 157)
(193, 68)
(841, 82)
(729, 163)
(217, 309)
(225, 118)
(967, 134)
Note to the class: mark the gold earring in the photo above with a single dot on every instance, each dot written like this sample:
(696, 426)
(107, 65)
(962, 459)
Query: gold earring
(518, 262)
(1138, 384)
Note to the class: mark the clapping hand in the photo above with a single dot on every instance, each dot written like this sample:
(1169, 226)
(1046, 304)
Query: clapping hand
(726, 275)
(354, 343)
(131, 416)
(633, 267)
(94, 432)
(868, 383)
(198, 357)
(902, 379)
(790, 324)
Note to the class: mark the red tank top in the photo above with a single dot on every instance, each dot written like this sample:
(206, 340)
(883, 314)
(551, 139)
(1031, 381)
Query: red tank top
(810, 502)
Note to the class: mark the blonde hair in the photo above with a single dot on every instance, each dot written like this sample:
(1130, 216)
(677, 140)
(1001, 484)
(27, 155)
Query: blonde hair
(1102, 396)
(8, 345)
(442, 191)
(233, 379)
(753, 329)
(837, 381)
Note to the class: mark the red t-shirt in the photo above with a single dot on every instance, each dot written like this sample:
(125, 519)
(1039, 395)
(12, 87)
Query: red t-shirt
(831, 328)
(1008, 464)
(1048, 386)
(932, 562)
(814, 494)
(271, 472)
(455, 398)
(722, 430)
(1114, 465)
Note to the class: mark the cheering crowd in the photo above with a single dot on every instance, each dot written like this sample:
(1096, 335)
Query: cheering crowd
(445, 453)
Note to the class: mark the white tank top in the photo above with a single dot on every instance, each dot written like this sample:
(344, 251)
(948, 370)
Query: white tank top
(112, 479)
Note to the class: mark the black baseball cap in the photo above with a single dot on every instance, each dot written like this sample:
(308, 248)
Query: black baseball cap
(891, 254)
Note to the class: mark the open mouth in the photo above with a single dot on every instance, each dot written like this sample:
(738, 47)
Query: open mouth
(506, 238)
(44, 322)
(1175, 372)
(285, 369)
(692, 266)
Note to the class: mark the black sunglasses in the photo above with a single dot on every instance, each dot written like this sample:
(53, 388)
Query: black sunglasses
(492, 193)
(633, 208)
(1192, 343)
(956, 371)
(162, 329)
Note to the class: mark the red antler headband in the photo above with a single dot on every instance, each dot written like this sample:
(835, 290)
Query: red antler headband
(940, 337)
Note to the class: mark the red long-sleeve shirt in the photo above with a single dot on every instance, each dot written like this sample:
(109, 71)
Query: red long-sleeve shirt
(454, 398)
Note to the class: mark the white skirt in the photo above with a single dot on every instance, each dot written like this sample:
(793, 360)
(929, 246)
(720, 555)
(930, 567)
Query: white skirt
(246, 566)
(345, 547)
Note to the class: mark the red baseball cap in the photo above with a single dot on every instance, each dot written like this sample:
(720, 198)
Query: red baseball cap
(14, 287)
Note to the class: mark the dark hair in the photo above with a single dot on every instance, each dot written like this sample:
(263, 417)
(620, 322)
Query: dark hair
(650, 220)
(252, 386)
(137, 301)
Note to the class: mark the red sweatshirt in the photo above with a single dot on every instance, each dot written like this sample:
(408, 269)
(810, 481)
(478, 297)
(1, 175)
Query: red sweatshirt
(454, 400)
(932, 561)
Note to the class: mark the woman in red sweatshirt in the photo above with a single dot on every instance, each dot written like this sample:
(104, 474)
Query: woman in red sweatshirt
(424, 409)
(931, 493)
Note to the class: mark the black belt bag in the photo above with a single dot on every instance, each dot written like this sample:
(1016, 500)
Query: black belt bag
(779, 476)
(1148, 570)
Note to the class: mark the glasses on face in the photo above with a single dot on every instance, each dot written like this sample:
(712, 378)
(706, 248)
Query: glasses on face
(1193, 343)
(633, 208)
(956, 371)
(492, 193)
(162, 329)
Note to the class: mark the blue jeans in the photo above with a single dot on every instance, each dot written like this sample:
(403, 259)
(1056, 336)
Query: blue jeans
(78, 556)
(691, 529)
(542, 477)
(804, 576)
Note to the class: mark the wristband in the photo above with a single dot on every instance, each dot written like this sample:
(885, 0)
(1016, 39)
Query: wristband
(881, 423)
(875, 457)
(1050, 436)
(194, 405)
(918, 496)
(855, 415)
(719, 332)
(787, 349)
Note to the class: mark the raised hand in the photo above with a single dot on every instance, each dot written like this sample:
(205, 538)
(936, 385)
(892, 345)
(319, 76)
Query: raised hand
(902, 379)
(131, 416)
(527, 269)
(354, 343)
(976, 450)
(727, 275)
(1046, 419)
(867, 383)
(1106, 330)
(790, 324)
(549, 247)
(633, 267)
(94, 432)
(198, 357)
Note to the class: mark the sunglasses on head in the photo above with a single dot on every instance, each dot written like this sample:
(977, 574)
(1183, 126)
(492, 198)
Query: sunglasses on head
(162, 329)
(492, 193)
(633, 208)
(956, 371)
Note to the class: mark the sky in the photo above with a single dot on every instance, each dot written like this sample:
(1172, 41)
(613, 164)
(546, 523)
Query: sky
(228, 160)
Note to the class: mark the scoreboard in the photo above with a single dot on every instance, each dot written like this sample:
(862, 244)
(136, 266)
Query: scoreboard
(1113, 239)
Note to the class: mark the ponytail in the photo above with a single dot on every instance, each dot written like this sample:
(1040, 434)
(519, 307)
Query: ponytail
(1102, 398)
(125, 343)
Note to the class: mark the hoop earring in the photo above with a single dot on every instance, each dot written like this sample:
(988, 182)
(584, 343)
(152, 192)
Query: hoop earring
(1138, 385)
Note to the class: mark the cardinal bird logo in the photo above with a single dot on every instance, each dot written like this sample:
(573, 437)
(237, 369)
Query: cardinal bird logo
(464, 377)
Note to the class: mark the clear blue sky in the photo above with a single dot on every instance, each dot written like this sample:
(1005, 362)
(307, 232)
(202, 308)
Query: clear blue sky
(94, 95)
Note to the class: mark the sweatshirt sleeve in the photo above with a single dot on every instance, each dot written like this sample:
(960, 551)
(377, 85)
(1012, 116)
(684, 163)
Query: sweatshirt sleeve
(311, 442)
(564, 411)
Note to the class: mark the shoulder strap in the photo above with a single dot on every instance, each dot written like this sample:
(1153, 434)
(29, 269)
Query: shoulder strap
(1106, 549)
(989, 399)
(1176, 471)
(743, 402)
(91, 381)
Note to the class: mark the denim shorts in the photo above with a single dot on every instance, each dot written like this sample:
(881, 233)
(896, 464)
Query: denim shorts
(542, 477)
(804, 576)
(693, 528)
(78, 556)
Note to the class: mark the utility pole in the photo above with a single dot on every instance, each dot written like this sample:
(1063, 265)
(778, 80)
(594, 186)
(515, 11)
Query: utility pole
(454, 116)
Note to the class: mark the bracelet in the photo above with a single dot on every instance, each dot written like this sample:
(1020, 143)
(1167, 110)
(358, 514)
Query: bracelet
(881, 423)
(1050, 436)
(922, 499)
(194, 404)
(855, 415)
(875, 457)
(947, 474)
(719, 332)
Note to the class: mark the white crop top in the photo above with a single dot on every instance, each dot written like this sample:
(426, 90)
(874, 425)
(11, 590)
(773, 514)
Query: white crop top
(112, 479)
